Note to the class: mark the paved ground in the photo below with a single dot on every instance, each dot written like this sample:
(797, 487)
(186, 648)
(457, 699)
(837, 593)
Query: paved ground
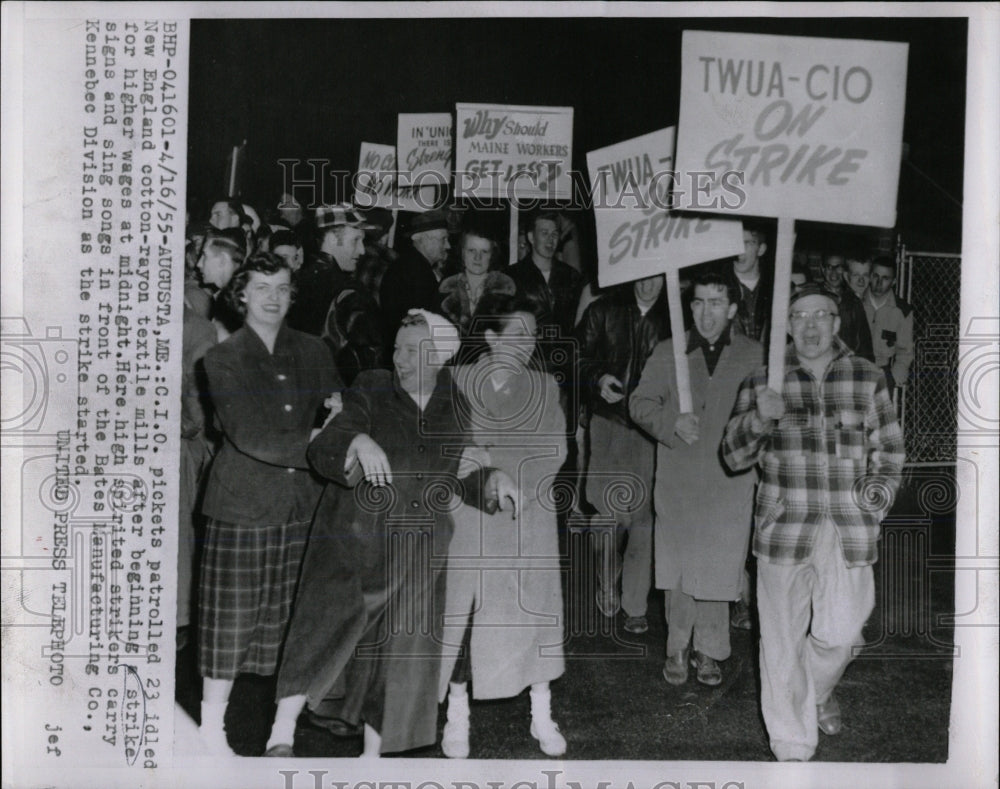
(613, 703)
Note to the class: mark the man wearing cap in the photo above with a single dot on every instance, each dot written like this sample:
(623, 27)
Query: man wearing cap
(830, 450)
(340, 236)
(411, 282)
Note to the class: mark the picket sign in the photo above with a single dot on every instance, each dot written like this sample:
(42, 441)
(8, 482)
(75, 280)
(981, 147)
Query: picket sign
(423, 156)
(511, 151)
(639, 236)
(794, 128)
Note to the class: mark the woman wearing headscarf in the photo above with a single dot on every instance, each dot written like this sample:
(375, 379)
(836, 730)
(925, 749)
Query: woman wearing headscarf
(367, 620)
(504, 583)
(268, 384)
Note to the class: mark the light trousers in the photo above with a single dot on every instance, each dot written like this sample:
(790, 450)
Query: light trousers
(706, 620)
(811, 616)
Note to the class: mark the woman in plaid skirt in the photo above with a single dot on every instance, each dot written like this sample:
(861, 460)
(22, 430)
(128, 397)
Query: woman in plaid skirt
(268, 384)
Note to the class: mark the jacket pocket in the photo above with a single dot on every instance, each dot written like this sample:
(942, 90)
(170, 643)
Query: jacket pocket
(849, 436)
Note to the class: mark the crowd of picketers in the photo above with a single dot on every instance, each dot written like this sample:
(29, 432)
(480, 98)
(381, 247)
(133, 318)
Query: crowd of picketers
(382, 419)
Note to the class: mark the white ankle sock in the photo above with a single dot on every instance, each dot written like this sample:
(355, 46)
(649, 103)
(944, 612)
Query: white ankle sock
(282, 733)
(283, 729)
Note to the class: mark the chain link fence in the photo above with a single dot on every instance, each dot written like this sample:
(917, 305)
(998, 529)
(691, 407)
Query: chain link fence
(931, 283)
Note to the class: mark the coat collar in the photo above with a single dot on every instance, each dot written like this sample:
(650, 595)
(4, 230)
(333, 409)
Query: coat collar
(251, 342)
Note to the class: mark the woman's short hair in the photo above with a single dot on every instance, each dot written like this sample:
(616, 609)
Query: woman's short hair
(262, 263)
(479, 232)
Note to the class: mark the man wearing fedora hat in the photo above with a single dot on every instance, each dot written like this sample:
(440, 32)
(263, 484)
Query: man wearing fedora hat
(340, 236)
(830, 450)
(411, 282)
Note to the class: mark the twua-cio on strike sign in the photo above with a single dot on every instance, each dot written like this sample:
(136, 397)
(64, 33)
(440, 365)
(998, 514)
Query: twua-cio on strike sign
(812, 126)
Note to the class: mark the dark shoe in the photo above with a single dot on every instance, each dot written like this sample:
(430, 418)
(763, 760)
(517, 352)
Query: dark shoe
(739, 617)
(280, 751)
(182, 638)
(828, 716)
(708, 671)
(338, 727)
(675, 670)
(636, 624)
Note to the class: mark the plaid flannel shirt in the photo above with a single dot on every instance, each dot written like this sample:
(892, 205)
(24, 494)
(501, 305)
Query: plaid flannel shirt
(836, 453)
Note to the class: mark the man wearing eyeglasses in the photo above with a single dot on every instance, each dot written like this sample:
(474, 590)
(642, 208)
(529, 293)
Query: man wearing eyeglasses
(854, 329)
(830, 450)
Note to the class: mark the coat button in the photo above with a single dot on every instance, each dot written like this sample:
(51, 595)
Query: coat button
(421, 449)
(415, 504)
(420, 476)
(281, 376)
(288, 406)
(290, 470)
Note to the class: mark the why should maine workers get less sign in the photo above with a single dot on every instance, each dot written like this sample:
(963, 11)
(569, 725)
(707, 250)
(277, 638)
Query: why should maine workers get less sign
(813, 126)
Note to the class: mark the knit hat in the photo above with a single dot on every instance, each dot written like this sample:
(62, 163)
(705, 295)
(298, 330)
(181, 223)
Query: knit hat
(444, 335)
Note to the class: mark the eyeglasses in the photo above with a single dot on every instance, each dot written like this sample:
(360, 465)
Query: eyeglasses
(801, 316)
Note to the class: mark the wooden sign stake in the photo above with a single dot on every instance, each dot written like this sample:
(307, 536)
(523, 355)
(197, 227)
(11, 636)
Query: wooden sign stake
(678, 340)
(513, 234)
(779, 309)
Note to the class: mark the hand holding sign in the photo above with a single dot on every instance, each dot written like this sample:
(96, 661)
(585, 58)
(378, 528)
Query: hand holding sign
(810, 128)
(686, 428)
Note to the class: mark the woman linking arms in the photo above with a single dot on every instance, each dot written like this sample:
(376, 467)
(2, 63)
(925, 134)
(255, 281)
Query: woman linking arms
(367, 622)
(268, 384)
(508, 577)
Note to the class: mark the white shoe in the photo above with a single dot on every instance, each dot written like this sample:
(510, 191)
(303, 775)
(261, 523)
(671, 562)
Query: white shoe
(549, 739)
(455, 739)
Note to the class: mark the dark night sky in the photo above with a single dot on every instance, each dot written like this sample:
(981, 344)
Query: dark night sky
(317, 88)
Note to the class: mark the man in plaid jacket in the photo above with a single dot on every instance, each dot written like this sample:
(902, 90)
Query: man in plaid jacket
(830, 449)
